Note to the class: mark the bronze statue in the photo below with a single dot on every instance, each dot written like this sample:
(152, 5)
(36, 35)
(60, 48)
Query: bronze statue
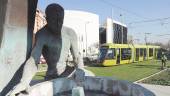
(54, 41)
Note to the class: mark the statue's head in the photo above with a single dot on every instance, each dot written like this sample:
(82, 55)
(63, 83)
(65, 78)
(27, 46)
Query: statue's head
(55, 17)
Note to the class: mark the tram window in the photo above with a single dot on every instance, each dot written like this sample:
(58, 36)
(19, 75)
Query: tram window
(150, 52)
(126, 53)
(144, 52)
(141, 51)
(110, 54)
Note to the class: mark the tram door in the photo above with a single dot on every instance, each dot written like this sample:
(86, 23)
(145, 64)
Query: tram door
(118, 55)
(155, 53)
(145, 54)
(137, 54)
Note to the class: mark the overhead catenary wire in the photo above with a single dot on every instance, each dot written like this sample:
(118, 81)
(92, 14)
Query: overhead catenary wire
(136, 14)
(150, 20)
(163, 35)
(125, 10)
(161, 22)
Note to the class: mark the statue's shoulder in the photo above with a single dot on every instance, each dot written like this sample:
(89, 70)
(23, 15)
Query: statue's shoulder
(41, 33)
(69, 31)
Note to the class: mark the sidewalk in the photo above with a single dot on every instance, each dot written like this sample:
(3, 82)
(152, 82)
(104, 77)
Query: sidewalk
(158, 90)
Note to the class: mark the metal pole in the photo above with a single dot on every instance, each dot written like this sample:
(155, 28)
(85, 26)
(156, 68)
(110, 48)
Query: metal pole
(121, 29)
(86, 35)
(86, 38)
(122, 33)
(145, 40)
(146, 37)
(112, 12)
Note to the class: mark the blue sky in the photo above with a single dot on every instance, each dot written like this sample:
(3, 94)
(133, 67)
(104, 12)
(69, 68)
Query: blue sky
(131, 10)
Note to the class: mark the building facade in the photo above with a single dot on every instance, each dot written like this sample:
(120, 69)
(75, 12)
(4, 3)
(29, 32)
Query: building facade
(86, 26)
(40, 20)
(113, 32)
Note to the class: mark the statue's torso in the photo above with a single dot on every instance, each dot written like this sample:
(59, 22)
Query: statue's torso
(56, 48)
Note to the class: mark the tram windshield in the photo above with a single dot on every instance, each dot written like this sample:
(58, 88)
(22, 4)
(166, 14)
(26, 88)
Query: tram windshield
(110, 54)
(103, 52)
(107, 53)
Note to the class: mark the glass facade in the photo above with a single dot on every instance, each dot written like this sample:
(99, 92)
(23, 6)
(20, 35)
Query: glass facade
(120, 32)
(102, 35)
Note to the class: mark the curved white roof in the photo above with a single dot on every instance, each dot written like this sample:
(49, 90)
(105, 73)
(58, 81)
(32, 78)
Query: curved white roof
(82, 15)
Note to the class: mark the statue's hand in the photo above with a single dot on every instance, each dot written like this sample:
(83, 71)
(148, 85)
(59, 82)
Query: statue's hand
(17, 89)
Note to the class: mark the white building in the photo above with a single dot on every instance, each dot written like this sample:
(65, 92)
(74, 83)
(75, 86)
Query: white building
(86, 25)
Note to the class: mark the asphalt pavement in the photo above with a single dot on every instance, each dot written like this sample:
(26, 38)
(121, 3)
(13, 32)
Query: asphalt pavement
(158, 90)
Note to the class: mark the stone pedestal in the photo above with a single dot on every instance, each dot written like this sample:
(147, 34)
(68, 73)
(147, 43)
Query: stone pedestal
(78, 91)
(16, 27)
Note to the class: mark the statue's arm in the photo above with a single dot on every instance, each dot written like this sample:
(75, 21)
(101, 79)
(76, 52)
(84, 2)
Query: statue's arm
(77, 58)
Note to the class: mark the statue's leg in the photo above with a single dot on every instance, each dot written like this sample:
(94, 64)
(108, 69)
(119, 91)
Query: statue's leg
(29, 71)
(68, 71)
(162, 65)
(51, 71)
(55, 71)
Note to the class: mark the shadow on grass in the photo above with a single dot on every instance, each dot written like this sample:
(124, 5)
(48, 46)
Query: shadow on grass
(40, 75)
(100, 65)
(148, 66)
(93, 64)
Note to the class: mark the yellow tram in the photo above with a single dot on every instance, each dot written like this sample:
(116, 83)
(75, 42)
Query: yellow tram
(115, 54)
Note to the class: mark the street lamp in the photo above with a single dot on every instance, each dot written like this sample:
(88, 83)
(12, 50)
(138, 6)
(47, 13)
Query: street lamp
(121, 29)
(132, 41)
(136, 40)
(86, 34)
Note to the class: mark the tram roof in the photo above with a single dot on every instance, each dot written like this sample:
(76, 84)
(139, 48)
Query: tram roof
(111, 45)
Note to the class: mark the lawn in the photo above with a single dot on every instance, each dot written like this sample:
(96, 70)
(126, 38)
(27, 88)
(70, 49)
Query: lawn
(160, 79)
(131, 72)
(39, 75)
